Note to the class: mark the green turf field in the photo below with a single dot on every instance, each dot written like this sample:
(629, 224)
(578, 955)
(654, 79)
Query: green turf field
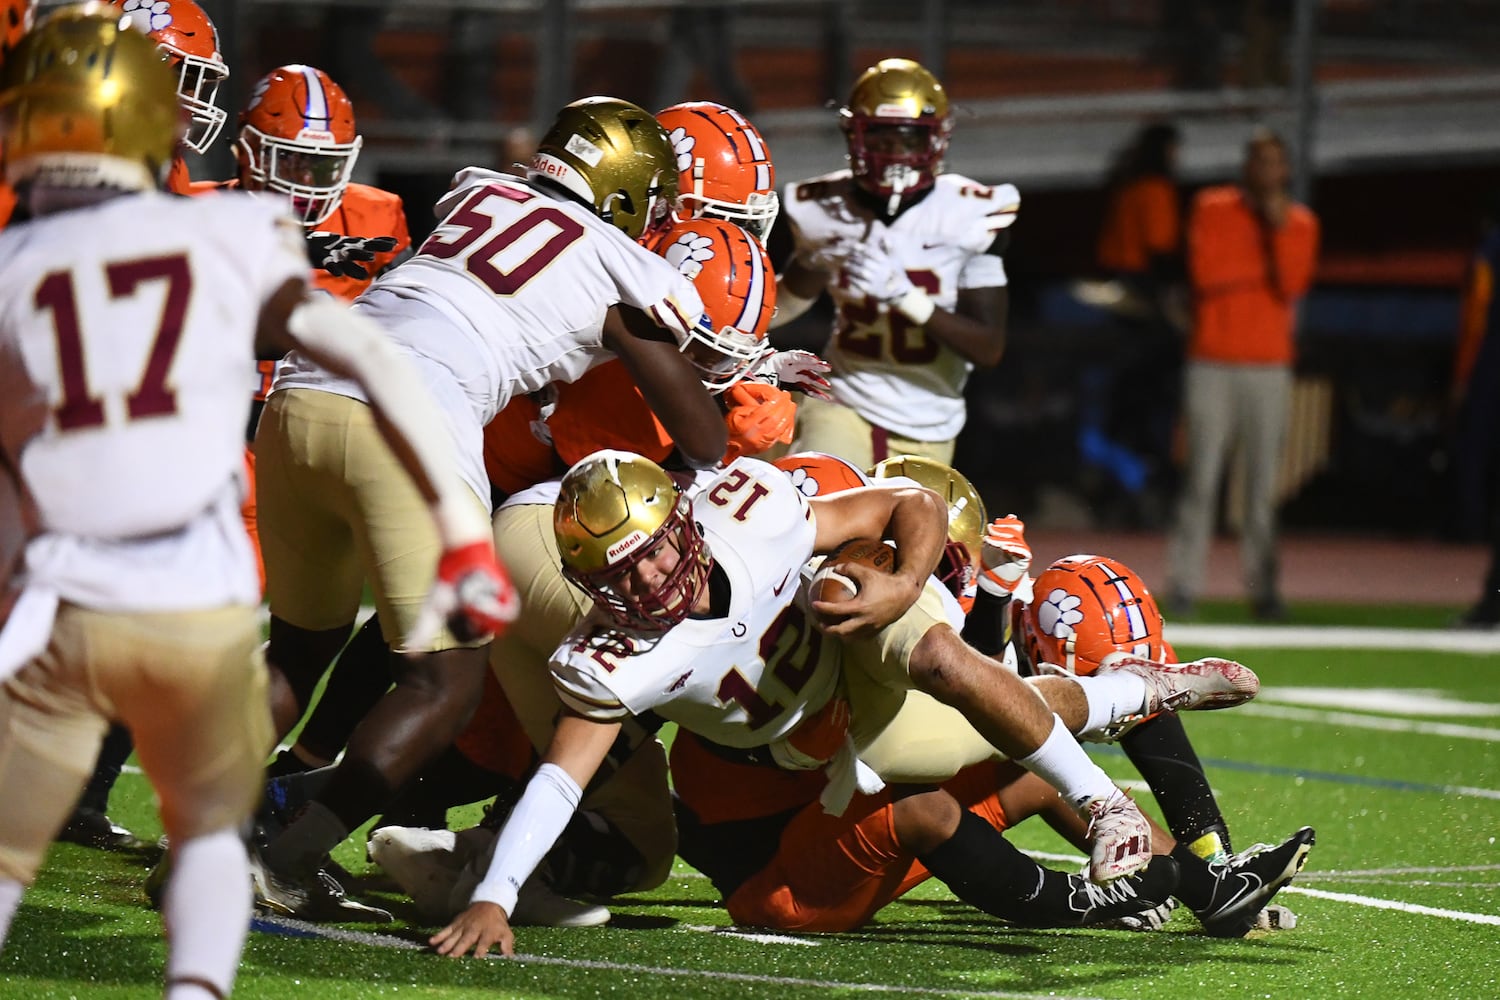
(1393, 755)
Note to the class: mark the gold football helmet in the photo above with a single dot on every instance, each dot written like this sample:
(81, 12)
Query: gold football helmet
(612, 155)
(897, 128)
(88, 101)
(614, 509)
(967, 520)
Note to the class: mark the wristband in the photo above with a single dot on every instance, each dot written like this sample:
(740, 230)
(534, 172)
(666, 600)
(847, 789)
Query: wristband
(916, 305)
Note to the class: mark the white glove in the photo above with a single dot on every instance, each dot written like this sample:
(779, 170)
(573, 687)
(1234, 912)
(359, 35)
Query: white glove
(803, 371)
(1005, 559)
(871, 270)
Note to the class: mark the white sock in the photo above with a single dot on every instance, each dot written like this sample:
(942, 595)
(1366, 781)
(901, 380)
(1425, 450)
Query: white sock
(11, 892)
(1111, 697)
(1061, 762)
(207, 912)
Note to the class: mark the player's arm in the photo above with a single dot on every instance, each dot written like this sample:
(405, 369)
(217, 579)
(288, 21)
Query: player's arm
(913, 517)
(579, 745)
(350, 345)
(669, 384)
(798, 286)
(975, 329)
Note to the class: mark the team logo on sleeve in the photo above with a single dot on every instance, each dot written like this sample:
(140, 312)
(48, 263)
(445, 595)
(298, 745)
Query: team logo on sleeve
(691, 251)
(1057, 615)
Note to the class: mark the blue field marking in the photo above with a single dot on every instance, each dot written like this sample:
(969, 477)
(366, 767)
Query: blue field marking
(1389, 784)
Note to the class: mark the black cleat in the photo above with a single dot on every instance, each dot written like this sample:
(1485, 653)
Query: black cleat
(319, 898)
(1246, 883)
(1145, 895)
(92, 828)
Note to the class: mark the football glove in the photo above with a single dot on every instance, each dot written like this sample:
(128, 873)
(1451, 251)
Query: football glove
(1005, 559)
(870, 270)
(759, 416)
(803, 371)
(341, 255)
(472, 595)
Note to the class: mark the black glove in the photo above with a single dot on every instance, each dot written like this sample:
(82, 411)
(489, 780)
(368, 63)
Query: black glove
(340, 255)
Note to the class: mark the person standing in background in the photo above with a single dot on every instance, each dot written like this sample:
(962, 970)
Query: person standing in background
(1475, 398)
(1129, 393)
(1251, 251)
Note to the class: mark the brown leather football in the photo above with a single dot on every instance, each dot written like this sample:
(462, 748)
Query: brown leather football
(828, 584)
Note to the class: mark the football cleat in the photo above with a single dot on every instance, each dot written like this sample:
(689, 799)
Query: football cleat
(1246, 884)
(538, 906)
(91, 828)
(1119, 837)
(427, 864)
(319, 898)
(1209, 683)
(1142, 901)
(1275, 918)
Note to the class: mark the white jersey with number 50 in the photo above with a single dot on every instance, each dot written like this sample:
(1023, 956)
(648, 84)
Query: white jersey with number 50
(743, 680)
(127, 336)
(508, 294)
(884, 366)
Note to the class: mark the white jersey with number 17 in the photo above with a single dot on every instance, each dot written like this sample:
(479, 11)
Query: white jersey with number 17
(127, 336)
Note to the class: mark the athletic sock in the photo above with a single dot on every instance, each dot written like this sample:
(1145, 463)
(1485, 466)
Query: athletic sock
(206, 909)
(1111, 697)
(301, 847)
(11, 892)
(985, 870)
(1061, 762)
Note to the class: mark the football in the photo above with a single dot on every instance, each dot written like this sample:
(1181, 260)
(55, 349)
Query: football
(828, 584)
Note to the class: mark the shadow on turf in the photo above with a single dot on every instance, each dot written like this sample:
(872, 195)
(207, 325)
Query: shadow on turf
(50, 945)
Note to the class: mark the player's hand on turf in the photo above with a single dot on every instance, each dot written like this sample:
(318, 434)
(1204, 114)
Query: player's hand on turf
(342, 256)
(472, 595)
(882, 598)
(478, 929)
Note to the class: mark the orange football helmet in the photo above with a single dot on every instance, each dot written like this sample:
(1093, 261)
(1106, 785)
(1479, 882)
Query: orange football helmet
(818, 474)
(184, 32)
(1087, 607)
(15, 23)
(725, 170)
(734, 278)
(297, 136)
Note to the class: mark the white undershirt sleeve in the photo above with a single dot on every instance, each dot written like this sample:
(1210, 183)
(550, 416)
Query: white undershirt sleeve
(532, 828)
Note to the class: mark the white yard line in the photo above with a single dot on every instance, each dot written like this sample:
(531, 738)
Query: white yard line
(1333, 637)
(1391, 904)
(1383, 723)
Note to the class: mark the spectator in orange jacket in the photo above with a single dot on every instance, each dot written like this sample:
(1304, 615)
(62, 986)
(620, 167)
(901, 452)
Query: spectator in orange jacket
(1128, 393)
(1251, 252)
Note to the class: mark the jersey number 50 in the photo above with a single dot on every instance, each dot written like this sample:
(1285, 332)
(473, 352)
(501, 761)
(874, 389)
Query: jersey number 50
(481, 262)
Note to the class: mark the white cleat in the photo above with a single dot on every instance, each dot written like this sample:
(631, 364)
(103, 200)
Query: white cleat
(539, 906)
(1201, 685)
(1119, 836)
(426, 864)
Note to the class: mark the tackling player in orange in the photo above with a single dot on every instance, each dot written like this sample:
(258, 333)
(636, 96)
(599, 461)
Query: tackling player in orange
(187, 35)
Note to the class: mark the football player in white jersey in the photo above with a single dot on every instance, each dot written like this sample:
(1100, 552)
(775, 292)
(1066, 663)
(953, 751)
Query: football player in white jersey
(700, 617)
(525, 281)
(910, 256)
(127, 321)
